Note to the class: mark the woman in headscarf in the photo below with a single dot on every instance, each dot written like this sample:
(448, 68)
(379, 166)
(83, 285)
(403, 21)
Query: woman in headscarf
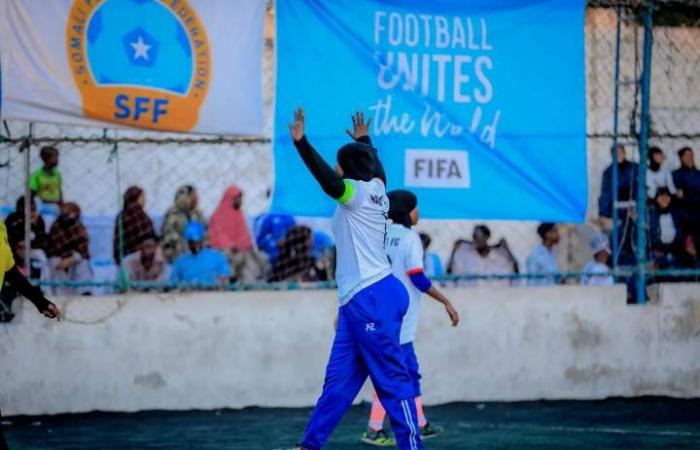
(228, 232)
(405, 251)
(176, 218)
(132, 225)
(69, 256)
(372, 300)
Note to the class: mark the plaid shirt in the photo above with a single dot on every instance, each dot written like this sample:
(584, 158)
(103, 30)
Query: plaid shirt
(136, 226)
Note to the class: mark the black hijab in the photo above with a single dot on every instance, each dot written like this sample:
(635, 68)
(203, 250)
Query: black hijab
(401, 203)
(359, 161)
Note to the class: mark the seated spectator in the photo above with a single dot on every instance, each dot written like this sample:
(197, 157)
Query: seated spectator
(477, 257)
(69, 257)
(658, 176)
(46, 182)
(433, 264)
(323, 252)
(15, 225)
(271, 228)
(597, 271)
(295, 261)
(134, 223)
(687, 181)
(200, 265)
(626, 186)
(38, 263)
(542, 260)
(665, 239)
(176, 218)
(228, 232)
(147, 263)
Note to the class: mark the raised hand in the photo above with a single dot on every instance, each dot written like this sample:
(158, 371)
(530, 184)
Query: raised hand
(296, 128)
(360, 128)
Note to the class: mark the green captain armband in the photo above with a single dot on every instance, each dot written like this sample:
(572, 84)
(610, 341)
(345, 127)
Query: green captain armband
(349, 192)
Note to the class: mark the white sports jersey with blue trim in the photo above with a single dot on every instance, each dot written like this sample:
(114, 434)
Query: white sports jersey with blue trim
(405, 252)
(360, 226)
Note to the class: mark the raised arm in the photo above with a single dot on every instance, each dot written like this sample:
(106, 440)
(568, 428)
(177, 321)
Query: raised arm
(331, 183)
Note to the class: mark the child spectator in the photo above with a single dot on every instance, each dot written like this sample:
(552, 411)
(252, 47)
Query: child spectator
(200, 265)
(477, 257)
(597, 271)
(665, 238)
(176, 218)
(135, 224)
(658, 176)
(542, 260)
(626, 186)
(69, 257)
(433, 264)
(148, 263)
(46, 182)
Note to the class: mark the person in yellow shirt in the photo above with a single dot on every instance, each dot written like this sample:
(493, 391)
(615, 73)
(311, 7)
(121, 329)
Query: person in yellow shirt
(9, 272)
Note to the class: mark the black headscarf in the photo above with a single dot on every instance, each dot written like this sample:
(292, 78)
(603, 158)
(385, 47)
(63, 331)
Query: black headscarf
(401, 203)
(359, 161)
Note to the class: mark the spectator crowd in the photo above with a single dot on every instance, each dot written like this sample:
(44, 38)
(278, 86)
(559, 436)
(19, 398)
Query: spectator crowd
(189, 250)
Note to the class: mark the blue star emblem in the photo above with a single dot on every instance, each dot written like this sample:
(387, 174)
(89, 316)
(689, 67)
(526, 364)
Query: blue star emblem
(141, 48)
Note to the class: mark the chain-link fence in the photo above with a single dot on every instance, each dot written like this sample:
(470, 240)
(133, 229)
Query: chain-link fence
(97, 166)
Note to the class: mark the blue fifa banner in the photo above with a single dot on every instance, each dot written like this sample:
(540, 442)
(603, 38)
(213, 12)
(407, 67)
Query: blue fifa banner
(171, 65)
(477, 107)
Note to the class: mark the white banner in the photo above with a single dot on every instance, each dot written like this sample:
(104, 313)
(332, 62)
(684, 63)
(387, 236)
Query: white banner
(175, 65)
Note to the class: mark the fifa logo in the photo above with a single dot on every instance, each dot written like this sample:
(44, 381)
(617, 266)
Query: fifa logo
(139, 63)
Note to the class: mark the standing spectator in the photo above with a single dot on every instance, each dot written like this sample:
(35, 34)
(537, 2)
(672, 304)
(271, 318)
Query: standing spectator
(626, 185)
(542, 260)
(148, 263)
(658, 176)
(15, 225)
(433, 264)
(687, 181)
(46, 182)
(135, 224)
(228, 232)
(176, 218)
(69, 257)
(200, 265)
(295, 261)
(597, 271)
(626, 190)
(477, 257)
(665, 239)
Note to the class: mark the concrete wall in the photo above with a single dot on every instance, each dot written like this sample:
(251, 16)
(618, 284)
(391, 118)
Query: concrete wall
(218, 350)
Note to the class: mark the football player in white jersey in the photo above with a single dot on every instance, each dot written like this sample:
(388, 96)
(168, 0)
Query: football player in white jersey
(405, 251)
(372, 300)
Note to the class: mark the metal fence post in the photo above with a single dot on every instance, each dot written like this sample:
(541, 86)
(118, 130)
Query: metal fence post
(613, 150)
(641, 249)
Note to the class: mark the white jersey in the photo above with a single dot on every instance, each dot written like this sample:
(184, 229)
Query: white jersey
(360, 225)
(405, 251)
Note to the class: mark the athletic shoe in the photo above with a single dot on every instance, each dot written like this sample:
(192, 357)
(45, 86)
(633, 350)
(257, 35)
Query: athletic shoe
(428, 431)
(378, 439)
